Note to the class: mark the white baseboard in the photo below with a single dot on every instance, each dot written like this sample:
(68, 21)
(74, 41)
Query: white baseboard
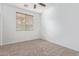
(17, 41)
(63, 45)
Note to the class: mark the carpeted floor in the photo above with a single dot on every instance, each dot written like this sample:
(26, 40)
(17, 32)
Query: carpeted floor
(36, 48)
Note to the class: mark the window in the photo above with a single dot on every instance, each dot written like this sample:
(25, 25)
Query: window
(24, 22)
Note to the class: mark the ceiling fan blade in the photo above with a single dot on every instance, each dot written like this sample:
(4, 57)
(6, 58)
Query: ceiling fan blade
(42, 4)
(34, 6)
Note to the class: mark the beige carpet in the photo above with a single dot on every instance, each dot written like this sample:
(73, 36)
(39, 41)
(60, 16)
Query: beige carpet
(36, 48)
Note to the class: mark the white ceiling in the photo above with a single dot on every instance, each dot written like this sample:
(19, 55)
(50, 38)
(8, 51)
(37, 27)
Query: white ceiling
(39, 8)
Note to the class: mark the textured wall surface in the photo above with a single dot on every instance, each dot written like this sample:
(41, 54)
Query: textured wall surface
(10, 35)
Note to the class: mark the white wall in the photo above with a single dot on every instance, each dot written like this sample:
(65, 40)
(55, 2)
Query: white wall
(10, 35)
(61, 25)
(0, 26)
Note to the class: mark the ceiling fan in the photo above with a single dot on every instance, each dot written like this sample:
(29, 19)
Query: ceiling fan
(35, 5)
(42, 4)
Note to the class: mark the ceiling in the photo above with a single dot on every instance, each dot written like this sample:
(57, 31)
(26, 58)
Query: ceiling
(30, 6)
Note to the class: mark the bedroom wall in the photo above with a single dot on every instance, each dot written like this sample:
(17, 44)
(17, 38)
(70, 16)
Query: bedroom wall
(0, 26)
(10, 35)
(60, 25)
